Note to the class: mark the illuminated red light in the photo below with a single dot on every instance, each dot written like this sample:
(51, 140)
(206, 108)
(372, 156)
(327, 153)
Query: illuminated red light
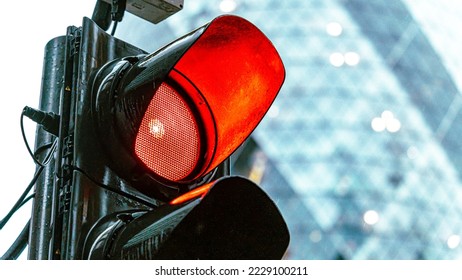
(168, 140)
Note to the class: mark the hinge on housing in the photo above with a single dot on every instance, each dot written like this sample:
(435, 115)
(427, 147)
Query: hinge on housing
(67, 155)
(68, 146)
(75, 35)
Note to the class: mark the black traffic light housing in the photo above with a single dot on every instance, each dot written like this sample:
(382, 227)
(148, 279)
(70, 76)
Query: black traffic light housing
(234, 220)
(124, 112)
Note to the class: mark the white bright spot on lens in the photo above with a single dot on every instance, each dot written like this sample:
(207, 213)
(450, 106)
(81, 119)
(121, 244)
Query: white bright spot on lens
(378, 124)
(334, 29)
(228, 6)
(453, 241)
(386, 121)
(352, 58)
(393, 125)
(337, 59)
(156, 128)
(371, 217)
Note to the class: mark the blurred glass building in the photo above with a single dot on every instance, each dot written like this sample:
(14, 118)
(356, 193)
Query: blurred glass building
(361, 149)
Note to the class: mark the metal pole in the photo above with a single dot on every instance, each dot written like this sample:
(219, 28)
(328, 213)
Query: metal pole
(41, 218)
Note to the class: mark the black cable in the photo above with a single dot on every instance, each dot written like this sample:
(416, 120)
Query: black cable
(26, 200)
(114, 190)
(19, 244)
(48, 157)
(114, 27)
(49, 121)
(26, 143)
(22, 199)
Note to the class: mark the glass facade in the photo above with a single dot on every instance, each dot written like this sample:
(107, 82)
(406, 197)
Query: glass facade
(360, 150)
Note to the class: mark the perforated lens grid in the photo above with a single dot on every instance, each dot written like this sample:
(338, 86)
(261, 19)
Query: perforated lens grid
(168, 141)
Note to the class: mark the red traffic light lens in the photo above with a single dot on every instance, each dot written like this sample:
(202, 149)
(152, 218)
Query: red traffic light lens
(168, 140)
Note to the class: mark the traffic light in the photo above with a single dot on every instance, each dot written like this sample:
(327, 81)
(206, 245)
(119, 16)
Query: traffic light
(145, 140)
(170, 117)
